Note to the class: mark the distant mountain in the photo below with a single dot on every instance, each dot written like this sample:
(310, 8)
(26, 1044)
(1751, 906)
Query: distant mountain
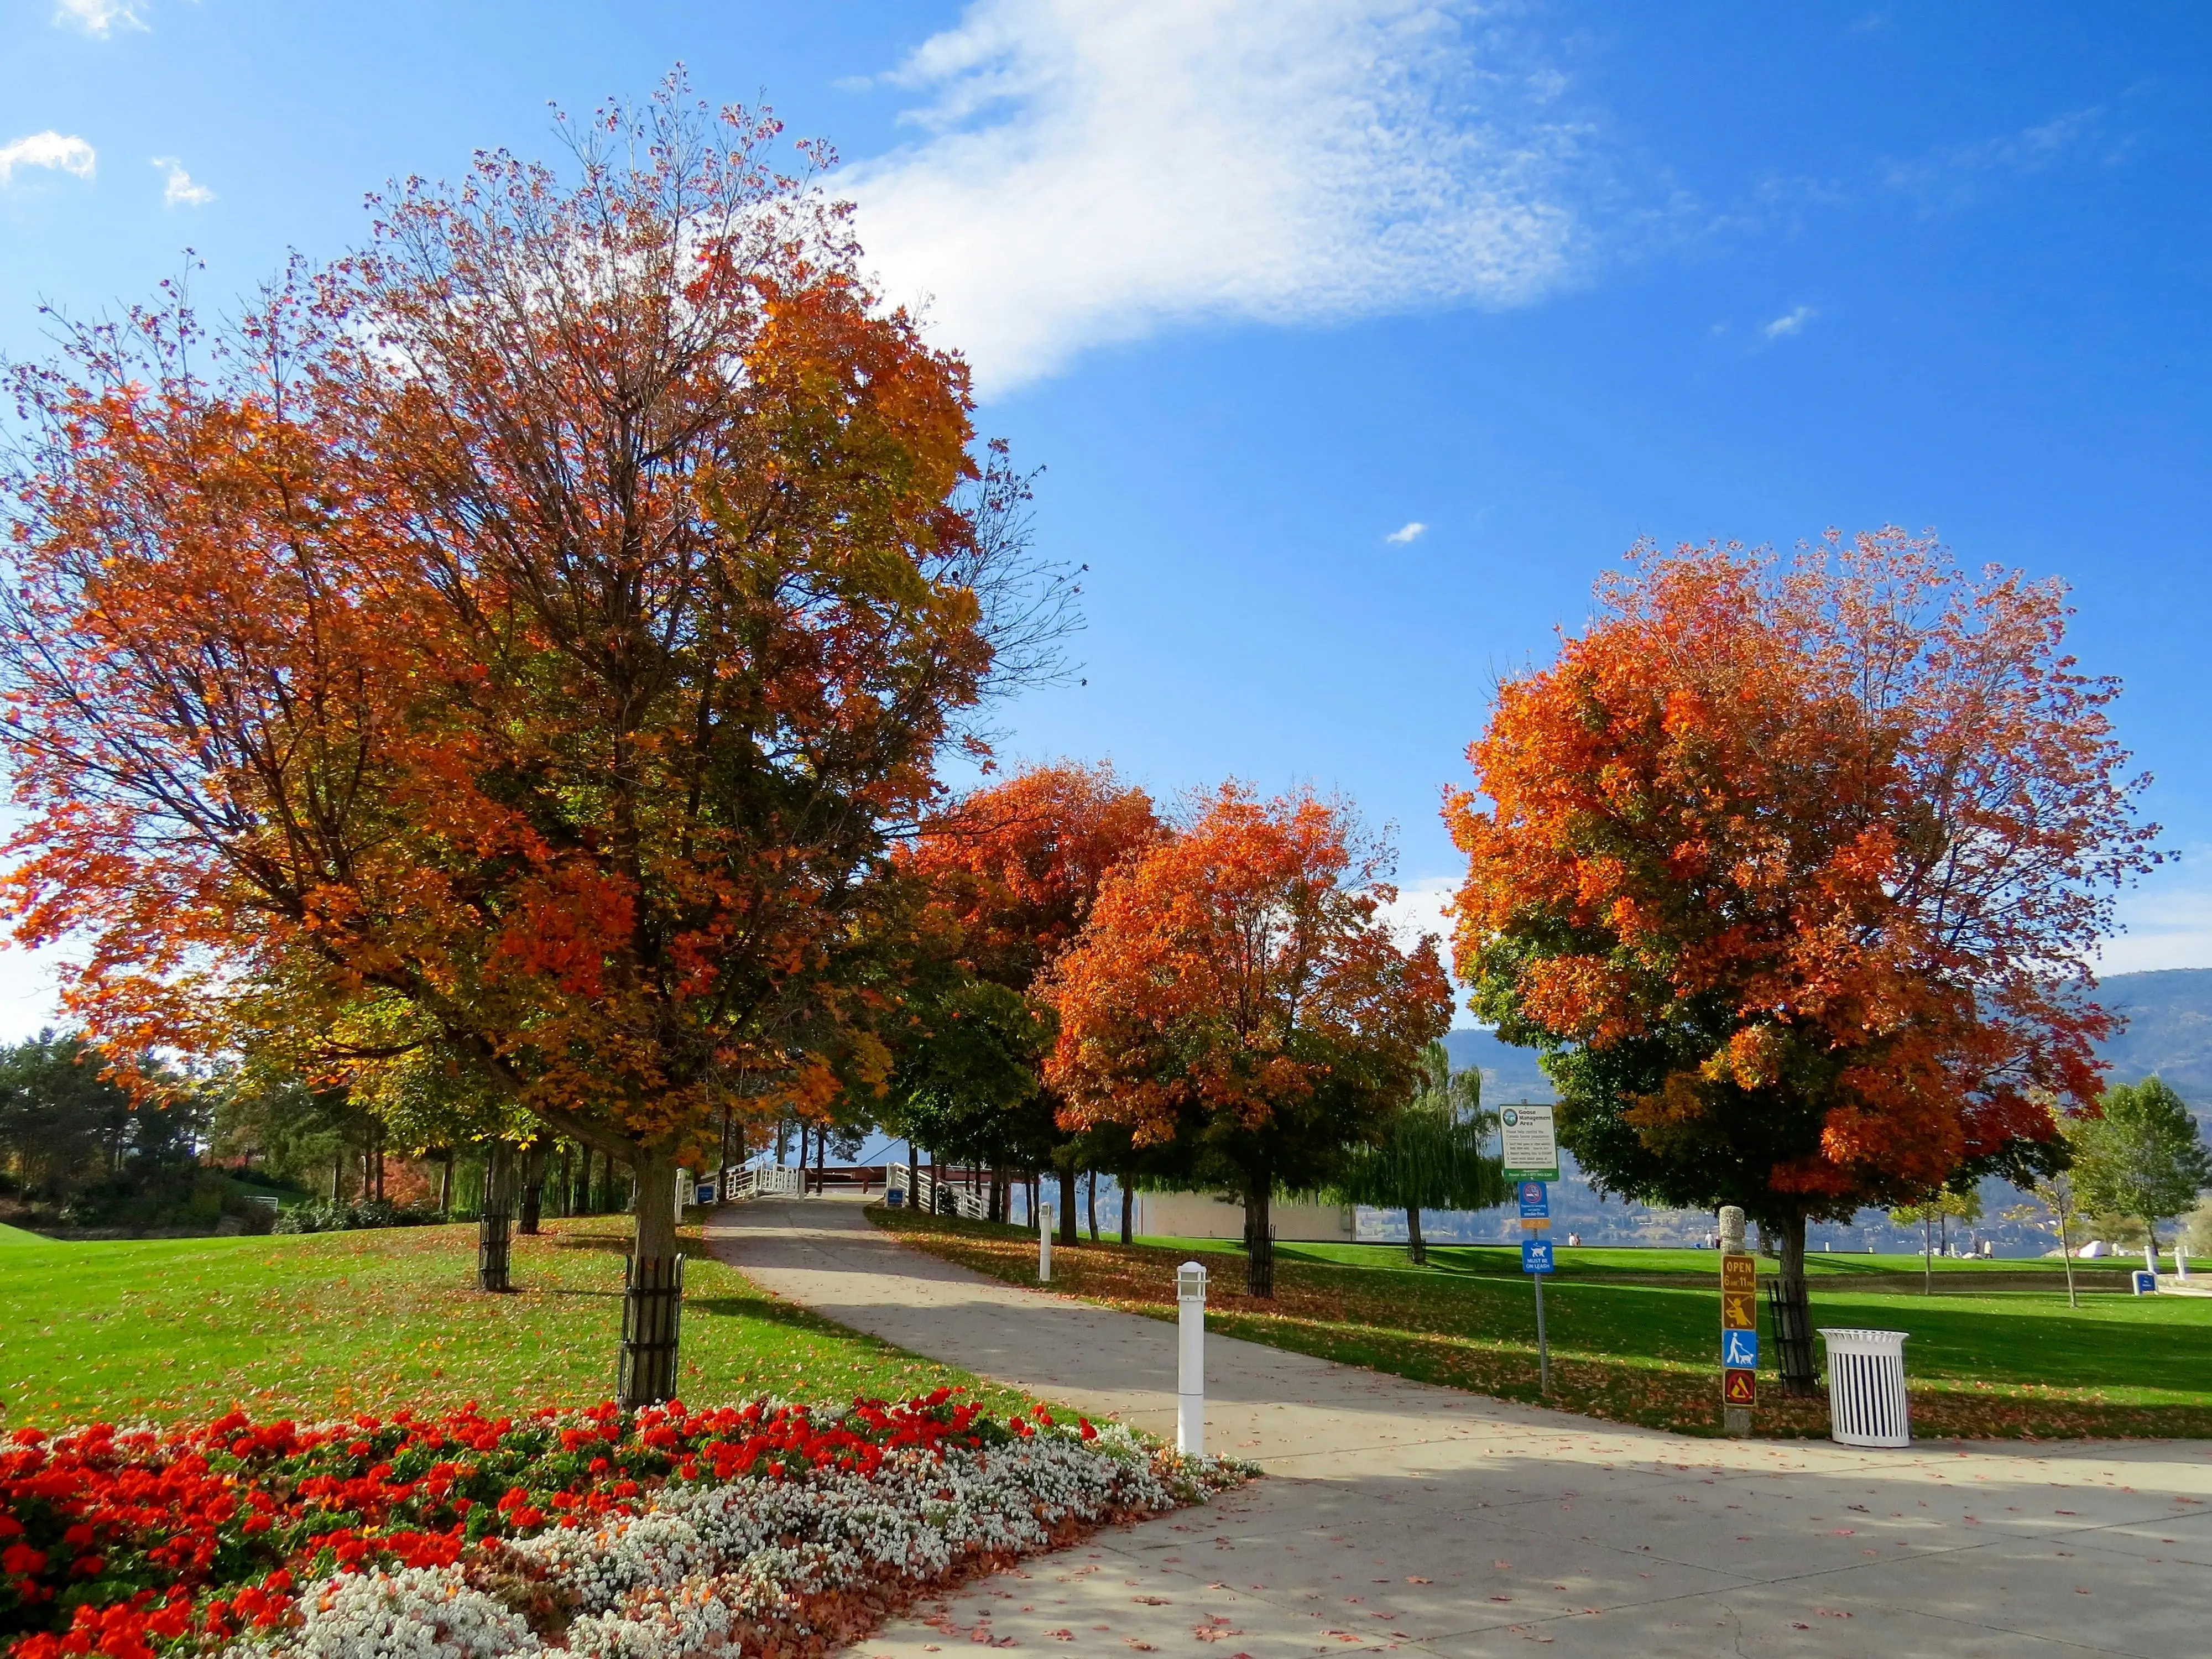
(1508, 1074)
(2169, 1032)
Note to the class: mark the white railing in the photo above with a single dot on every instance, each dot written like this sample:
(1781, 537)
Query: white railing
(966, 1200)
(761, 1181)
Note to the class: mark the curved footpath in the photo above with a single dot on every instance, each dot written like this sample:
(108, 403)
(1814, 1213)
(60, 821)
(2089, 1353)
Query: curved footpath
(1397, 1515)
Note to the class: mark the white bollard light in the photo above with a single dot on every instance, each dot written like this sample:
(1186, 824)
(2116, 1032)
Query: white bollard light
(1044, 1243)
(1190, 1359)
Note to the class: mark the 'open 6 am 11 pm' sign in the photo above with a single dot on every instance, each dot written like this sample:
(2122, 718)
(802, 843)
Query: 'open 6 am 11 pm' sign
(1531, 1143)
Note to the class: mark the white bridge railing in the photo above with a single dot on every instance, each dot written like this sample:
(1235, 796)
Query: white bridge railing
(761, 1181)
(965, 1200)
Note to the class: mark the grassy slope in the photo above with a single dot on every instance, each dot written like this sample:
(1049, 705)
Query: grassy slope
(363, 1321)
(1982, 1362)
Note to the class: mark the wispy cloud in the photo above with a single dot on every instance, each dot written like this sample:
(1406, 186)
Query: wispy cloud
(178, 190)
(100, 17)
(2168, 920)
(1955, 176)
(47, 150)
(1089, 173)
(1408, 532)
(1794, 322)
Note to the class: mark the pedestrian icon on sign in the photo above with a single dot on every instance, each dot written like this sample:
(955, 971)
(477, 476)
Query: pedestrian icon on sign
(1740, 1350)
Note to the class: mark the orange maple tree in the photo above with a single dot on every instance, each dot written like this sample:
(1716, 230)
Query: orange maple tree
(1795, 869)
(524, 642)
(1236, 994)
(1011, 875)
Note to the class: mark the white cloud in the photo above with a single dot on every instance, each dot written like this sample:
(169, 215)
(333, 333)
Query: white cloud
(1408, 532)
(178, 190)
(100, 17)
(1091, 173)
(47, 149)
(1792, 324)
(2168, 920)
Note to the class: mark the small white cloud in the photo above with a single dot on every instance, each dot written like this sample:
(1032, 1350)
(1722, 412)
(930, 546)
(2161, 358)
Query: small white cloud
(1410, 533)
(1792, 324)
(100, 17)
(179, 190)
(47, 150)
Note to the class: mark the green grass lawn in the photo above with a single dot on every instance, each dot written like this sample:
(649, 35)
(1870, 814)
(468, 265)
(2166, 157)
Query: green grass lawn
(1636, 1334)
(314, 1324)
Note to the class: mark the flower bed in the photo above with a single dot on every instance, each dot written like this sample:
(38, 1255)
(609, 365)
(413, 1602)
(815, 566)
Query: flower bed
(764, 1529)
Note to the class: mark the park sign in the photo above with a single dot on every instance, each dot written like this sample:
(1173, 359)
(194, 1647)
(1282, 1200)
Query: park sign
(1530, 1143)
(1739, 1337)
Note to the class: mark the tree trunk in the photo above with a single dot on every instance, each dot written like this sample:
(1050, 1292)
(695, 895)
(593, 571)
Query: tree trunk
(1259, 1242)
(1091, 1198)
(445, 1185)
(1927, 1256)
(913, 1175)
(653, 1290)
(821, 1159)
(995, 1212)
(1128, 1207)
(1793, 1338)
(338, 1172)
(1417, 1248)
(533, 1188)
(1068, 1179)
(494, 1220)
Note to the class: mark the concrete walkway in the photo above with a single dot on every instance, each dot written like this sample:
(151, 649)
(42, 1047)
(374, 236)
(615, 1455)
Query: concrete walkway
(1402, 1515)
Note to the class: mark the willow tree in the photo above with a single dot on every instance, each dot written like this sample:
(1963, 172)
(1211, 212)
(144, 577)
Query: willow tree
(1433, 1155)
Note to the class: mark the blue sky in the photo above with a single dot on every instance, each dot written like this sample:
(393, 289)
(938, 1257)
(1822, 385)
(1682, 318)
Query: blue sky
(1261, 282)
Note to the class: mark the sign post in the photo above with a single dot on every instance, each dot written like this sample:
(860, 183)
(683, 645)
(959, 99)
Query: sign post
(1531, 1146)
(1738, 1325)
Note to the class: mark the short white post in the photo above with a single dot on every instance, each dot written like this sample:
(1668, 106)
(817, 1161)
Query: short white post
(1044, 1243)
(683, 1181)
(1190, 1359)
(2181, 1258)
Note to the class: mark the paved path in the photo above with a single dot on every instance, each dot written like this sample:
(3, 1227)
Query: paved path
(1402, 1515)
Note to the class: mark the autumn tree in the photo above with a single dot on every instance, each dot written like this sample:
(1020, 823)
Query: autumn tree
(1795, 870)
(1009, 877)
(525, 639)
(1238, 995)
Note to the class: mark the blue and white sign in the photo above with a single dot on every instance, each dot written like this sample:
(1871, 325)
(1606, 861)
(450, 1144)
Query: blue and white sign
(1740, 1350)
(2146, 1282)
(1535, 1202)
(1535, 1255)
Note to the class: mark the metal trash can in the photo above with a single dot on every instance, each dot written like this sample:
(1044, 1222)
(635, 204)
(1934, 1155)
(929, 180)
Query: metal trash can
(1867, 1405)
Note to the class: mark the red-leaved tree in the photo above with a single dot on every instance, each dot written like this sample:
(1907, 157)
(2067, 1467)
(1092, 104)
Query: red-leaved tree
(1238, 995)
(523, 643)
(1795, 871)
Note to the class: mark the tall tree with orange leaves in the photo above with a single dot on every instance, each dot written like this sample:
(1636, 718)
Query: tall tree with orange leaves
(1795, 870)
(525, 642)
(1238, 994)
(1011, 876)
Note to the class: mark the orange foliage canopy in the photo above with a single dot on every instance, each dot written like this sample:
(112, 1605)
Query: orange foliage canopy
(1238, 991)
(523, 642)
(1795, 869)
(1018, 866)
